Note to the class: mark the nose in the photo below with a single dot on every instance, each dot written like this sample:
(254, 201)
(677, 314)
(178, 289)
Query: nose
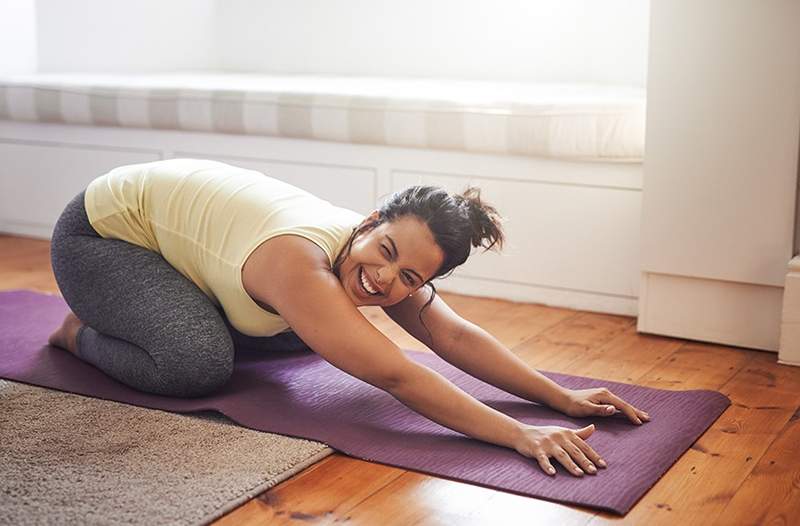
(386, 274)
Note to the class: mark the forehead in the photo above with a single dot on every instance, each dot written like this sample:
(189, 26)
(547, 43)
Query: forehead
(415, 243)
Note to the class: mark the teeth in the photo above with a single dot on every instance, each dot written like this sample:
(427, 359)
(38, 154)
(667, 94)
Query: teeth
(366, 284)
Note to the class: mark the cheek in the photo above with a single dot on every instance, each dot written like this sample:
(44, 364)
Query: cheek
(357, 253)
(400, 292)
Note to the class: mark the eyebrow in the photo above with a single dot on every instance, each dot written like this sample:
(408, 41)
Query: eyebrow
(394, 247)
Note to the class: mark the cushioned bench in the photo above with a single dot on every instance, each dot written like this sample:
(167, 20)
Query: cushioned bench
(573, 122)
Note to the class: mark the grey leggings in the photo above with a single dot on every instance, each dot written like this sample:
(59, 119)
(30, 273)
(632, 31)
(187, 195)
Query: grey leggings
(145, 324)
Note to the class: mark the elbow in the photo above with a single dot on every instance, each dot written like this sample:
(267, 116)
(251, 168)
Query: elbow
(458, 338)
(396, 377)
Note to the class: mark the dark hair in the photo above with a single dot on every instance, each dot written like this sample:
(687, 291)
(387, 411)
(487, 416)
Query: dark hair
(458, 223)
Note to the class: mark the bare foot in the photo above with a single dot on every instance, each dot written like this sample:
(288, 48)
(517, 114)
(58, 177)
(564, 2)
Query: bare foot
(66, 335)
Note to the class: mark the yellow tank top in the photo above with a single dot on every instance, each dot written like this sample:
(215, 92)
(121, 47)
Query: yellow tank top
(206, 217)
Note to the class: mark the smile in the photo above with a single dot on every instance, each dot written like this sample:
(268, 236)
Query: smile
(365, 283)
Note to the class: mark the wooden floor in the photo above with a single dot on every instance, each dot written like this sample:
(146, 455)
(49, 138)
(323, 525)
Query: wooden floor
(744, 470)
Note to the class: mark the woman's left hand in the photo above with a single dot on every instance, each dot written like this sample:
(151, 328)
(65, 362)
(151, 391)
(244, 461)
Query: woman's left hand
(599, 402)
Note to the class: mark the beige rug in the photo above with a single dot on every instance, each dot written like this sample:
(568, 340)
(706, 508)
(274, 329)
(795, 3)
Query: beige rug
(70, 459)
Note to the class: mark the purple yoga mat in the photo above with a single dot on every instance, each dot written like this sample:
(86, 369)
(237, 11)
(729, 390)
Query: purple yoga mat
(300, 394)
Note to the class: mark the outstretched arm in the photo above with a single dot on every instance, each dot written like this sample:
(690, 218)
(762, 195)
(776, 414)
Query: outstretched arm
(475, 351)
(310, 297)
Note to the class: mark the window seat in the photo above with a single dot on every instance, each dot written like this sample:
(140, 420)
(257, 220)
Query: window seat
(579, 122)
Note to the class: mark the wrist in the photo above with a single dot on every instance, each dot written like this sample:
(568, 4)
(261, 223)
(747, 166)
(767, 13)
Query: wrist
(559, 398)
(518, 437)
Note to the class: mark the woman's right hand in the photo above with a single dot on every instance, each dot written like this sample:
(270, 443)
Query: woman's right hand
(568, 446)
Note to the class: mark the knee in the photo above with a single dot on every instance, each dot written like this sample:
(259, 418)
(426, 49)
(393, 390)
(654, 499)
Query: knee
(202, 382)
(209, 371)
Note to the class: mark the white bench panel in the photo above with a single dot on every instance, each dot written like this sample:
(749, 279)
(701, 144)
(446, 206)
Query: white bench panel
(38, 180)
(581, 238)
(572, 226)
(345, 186)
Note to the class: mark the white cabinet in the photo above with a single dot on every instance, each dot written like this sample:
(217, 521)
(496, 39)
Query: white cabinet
(720, 169)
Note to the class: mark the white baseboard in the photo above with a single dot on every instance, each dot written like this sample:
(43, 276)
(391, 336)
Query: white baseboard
(546, 295)
(723, 312)
(789, 353)
(17, 228)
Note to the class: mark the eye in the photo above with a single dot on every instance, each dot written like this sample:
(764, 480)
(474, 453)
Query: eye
(386, 251)
(409, 279)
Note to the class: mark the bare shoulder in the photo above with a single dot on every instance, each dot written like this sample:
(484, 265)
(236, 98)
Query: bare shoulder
(293, 276)
(277, 258)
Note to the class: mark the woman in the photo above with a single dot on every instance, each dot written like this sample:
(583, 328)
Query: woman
(168, 266)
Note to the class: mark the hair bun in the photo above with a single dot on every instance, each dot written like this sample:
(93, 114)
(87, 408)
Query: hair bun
(487, 230)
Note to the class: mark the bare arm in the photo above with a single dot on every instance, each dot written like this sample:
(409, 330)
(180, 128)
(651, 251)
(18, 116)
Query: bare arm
(475, 351)
(310, 298)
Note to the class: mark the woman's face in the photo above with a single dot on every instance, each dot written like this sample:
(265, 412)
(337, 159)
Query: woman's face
(389, 262)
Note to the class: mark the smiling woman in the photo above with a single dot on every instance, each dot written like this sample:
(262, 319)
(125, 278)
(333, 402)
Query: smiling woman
(435, 231)
(167, 266)
(374, 271)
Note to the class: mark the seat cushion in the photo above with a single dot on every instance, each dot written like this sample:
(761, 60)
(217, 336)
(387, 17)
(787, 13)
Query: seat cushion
(565, 121)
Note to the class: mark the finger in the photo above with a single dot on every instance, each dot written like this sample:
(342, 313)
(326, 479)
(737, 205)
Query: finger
(566, 461)
(623, 406)
(579, 457)
(544, 463)
(591, 454)
(602, 410)
(585, 432)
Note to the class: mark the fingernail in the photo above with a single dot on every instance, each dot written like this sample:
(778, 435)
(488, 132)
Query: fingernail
(609, 410)
(551, 471)
(602, 462)
(592, 469)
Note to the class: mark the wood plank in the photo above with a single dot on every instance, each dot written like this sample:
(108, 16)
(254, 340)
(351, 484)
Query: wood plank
(438, 501)
(771, 493)
(321, 493)
(700, 484)
(627, 357)
(517, 323)
(25, 264)
(696, 366)
(561, 346)
(473, 308)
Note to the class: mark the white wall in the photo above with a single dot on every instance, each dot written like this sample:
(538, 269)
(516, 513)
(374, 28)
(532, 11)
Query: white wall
(125, 36)
(518, 40)
(568, 40)
(17, 36)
